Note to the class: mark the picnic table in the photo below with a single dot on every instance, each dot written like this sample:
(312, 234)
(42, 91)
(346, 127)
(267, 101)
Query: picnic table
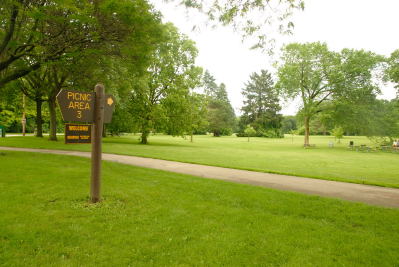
(363, 148)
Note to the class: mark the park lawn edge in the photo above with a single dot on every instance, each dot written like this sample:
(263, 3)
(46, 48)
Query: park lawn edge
(238, 168)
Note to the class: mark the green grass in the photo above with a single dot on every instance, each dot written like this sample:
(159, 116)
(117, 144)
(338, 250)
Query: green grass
(260, 154)
(158, 218)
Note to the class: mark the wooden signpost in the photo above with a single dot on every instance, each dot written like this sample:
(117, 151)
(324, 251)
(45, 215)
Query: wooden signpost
(90, 107)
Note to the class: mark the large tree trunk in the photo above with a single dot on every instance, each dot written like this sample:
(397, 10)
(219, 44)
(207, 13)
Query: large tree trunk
(307, 131)
(145, 132)
(53, 119)
(144, 136)
(39, 120)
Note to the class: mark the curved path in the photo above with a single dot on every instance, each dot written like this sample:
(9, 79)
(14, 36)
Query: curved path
(374, 195)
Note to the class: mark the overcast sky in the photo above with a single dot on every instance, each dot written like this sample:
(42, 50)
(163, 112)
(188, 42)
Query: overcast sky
(360, 24)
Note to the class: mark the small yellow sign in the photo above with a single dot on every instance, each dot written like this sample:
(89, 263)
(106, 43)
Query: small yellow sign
(110, 101)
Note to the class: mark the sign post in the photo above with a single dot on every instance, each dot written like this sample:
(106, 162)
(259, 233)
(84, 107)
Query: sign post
(90, 107)
(97, 129)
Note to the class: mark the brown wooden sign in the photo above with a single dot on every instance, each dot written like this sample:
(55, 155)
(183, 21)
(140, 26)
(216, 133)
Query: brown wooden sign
(76, 106)
(109, 108)
(77, 133)
(91, 107)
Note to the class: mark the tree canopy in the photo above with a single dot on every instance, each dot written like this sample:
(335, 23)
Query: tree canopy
(251, 18)
(393, 69)
(316, 75)
(159, 101)
(261, 105)
(35, 32)
(221, 116)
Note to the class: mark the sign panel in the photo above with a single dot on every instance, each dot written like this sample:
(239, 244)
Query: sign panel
(76, 106)
(109, 108)
(77, 133)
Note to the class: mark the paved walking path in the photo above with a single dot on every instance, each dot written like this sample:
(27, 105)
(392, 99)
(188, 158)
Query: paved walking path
(374, 195)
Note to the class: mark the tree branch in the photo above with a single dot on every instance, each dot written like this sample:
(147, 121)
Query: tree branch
(10, 32)
(19, 73)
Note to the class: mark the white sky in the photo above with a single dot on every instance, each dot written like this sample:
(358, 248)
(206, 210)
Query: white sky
(359, 24)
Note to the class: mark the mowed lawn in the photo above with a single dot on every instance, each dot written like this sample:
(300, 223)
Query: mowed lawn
(155, 218)
(285, 156)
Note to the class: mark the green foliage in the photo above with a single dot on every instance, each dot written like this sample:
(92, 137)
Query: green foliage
(383, 119)
(197, 116)
(220, 115)
(392, 71)
(338, 133)
(271, 16)
(261, 105)
(373, 117)
(121, 121)
(34, 33)
(160, 97)
(289, 123)
(7, 118)
(316, 75)
(249, 131)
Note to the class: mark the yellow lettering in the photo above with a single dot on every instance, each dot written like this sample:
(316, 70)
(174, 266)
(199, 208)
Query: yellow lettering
(82, 128)
(76, 96)
(87, 106)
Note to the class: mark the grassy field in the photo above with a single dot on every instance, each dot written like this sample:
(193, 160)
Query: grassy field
(285, 156)
(158, 218)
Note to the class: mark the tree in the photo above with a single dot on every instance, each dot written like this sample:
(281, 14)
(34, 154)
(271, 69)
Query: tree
(11, 109)
(338, 133)
(34, 86)
(221, 115)
(316, 75)
(392, 71)
(382, 119)
(289, 124)
(305, 73)
(36, 32)
(159, 99)
(249, 131)
(30, 25)
(261, 105)
(196, 117)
